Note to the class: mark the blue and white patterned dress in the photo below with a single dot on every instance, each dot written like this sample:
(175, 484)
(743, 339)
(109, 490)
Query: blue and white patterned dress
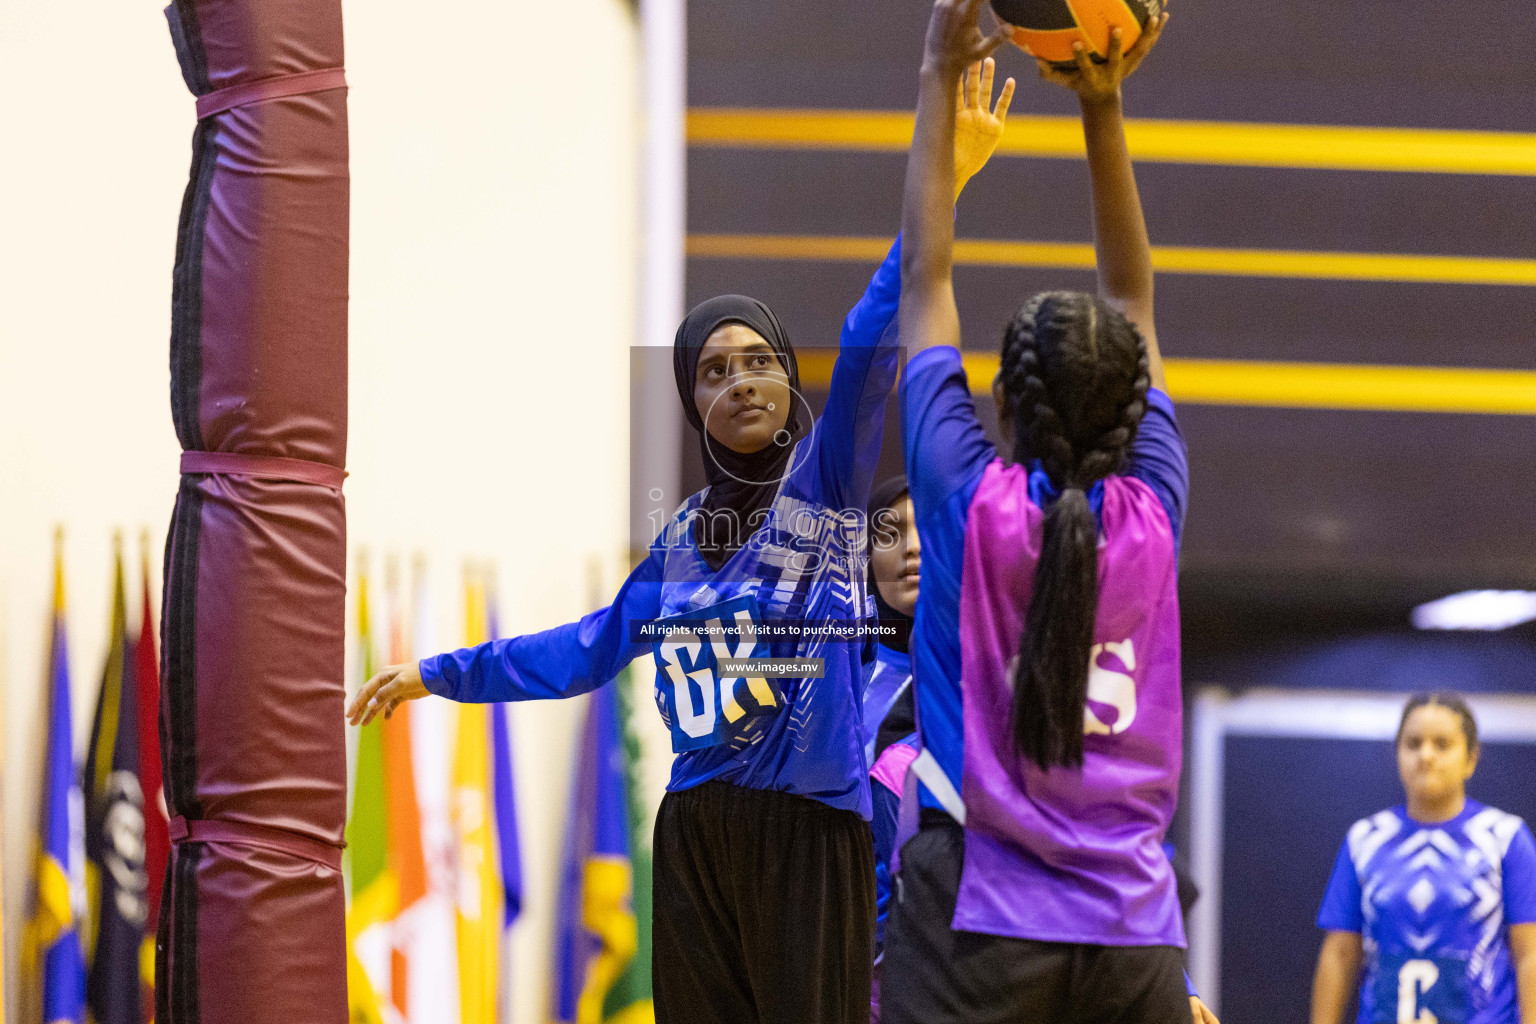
(1433, 904)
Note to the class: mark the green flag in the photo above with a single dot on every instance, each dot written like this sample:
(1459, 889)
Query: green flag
(629, 1001)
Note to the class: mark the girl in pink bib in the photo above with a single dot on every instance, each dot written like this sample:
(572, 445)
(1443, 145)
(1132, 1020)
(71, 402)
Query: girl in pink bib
(1045, 649)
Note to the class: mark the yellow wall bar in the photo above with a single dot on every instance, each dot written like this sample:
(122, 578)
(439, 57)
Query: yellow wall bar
(1221, 143)
(1299, 385)
(1330, 386)
(1169, 259)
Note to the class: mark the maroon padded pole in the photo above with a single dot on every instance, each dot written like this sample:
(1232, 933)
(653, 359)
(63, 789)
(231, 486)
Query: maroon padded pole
(253, 925)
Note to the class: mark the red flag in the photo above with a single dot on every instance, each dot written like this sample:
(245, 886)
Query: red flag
(157, 839)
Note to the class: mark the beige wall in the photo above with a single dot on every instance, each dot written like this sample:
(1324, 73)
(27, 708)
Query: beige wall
(494, 240)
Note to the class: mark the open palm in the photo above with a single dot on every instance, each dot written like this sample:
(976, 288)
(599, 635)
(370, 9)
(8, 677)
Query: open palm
(978, 124)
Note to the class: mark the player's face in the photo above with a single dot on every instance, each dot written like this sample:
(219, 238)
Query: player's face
(741, 389)
(1432, 755)
(897, 555)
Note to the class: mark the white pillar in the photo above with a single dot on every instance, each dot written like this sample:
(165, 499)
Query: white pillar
(655, 422)
(1205, 831)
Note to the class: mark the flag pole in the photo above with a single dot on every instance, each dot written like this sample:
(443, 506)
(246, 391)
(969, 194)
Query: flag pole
(146, 679)
(58, 568)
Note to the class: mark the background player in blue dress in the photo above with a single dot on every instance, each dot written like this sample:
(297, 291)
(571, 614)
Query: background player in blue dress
(1431, 909)
(763, 874)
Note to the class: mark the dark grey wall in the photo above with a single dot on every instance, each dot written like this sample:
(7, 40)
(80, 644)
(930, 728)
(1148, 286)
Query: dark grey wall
(1295, 506)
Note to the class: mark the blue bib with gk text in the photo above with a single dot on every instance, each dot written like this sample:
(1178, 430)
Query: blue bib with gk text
(701, 704)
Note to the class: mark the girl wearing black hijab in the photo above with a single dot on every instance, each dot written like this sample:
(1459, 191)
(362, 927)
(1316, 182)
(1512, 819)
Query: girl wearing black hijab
(748, 383)
(764, 885)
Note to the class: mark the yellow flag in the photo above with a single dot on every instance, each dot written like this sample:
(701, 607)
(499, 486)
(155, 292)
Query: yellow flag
(373, 889)
(480, 892)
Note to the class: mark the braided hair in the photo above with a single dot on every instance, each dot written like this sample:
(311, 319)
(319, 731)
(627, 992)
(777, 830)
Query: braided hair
(1074, 375)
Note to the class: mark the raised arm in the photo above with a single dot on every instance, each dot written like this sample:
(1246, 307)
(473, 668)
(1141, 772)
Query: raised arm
(1119, 229)
(927, 314)
(867, 362)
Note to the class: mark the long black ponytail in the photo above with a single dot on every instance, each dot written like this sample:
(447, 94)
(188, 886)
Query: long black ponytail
(1075, 376)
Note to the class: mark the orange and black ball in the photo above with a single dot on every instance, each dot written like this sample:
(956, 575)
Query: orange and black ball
(1048, 28)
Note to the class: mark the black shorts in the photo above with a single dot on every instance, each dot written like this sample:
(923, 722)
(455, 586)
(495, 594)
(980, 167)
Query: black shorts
(763, 909)
(932, 974)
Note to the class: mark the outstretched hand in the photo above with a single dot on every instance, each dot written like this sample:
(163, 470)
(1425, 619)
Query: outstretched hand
(955, 40)
(386, 691)
(1100, 83)
(978, 124)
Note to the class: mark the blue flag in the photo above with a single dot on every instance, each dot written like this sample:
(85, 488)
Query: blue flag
(597, 934)
(53, 938)
(502, 799)
(504, 794)
(116, 883)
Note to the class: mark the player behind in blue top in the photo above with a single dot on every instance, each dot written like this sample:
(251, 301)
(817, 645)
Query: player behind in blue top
(895, 564)
(763, 874)
(1431, 909)
(1046, 646)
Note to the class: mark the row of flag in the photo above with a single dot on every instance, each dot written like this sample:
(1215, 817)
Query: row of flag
(433, 857)
(435, 875)
(103, 839)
